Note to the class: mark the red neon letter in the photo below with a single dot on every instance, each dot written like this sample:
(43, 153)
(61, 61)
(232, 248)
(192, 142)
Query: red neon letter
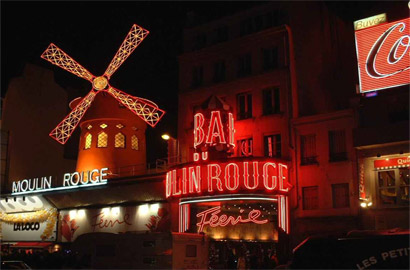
(284, 185)
(194, 179)
(211, 177)
(199, 133)
(184, 181)
(231, 130)
(235, 177)
(168, 185)
(215, 122)
(246, 175)
(266, 176)
(176, 183)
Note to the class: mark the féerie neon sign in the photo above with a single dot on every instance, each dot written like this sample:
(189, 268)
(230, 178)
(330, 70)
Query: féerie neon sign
(210, 217)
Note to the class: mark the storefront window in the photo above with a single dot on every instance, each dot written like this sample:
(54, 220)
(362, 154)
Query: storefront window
(393, 187)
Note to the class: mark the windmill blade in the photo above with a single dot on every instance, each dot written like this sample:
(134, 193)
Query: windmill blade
(131, 41)
(66, 127)
(58, 57)
(144, 108)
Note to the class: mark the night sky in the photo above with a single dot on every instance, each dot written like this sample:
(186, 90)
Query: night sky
(91, 33)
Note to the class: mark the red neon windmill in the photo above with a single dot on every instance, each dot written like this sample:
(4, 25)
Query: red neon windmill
(145, 109)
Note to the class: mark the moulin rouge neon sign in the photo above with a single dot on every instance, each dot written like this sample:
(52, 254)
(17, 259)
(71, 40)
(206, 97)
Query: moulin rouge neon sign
(383, 56)
(226, 175)
(210, 217)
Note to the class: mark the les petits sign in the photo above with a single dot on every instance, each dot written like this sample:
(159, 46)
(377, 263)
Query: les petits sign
(226, 175)
(70, 181)
(383, 55)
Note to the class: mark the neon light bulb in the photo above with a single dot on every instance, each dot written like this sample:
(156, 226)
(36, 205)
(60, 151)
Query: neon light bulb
(199, 133)
(266, 176)
(194, 179)
(212, 176)
(196, 156)
(235, 177)
(215, 123)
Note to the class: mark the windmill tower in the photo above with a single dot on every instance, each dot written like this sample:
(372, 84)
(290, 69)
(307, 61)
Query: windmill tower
(111, 135)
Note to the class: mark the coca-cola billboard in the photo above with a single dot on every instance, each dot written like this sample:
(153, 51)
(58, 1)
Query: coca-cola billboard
(383, 55)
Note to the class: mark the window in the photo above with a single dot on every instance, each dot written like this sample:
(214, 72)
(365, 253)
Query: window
(273, 147)
(244, 108)
(190, 251)
(88, 139)
(199, 41)
(271, 100)
(270, 58)
(134, 143)
(310, 198)
(221, 34)
(102, 140)
(340, 195)
(119, 140)
(308, 149)
(119, 126)
(197, 76)
(244, 65)
(103, 125)
(245, 147)
(337, 145)
(246, 27)
(219, 71)
(393, 186)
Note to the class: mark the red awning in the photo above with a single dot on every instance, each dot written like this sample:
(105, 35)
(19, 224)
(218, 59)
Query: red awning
(32, 244)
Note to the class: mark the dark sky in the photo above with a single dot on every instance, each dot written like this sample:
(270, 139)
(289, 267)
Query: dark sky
(91, 33)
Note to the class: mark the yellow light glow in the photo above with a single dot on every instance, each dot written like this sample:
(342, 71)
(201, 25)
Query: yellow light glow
(106, 211)
(154, 207)
(369, 204)
(81, 213)
(165, 137)
(115, 211)
(363, 204)
(143, 210)
(73, 214)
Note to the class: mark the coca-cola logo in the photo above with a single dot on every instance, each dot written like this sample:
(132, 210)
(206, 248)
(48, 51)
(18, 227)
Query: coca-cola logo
(383, 56)
(29, 226)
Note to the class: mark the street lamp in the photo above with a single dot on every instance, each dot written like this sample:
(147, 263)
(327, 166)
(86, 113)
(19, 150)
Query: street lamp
(173, 149)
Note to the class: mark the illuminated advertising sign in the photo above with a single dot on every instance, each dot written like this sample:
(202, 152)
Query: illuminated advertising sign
(146, 217)
(27, 231)
(70, 180)
(214, 177)
(228, 176)
(383, 56)
(392, 163)
(369, 22)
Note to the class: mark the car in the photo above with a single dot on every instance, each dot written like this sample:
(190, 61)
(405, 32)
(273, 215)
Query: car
(14, 265)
